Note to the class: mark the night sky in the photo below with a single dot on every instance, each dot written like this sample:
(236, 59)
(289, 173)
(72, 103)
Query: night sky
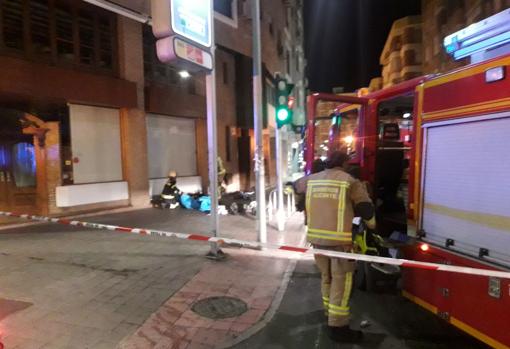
(344, 39)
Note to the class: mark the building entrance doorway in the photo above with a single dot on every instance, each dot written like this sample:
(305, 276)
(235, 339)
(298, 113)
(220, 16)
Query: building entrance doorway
(18, 182)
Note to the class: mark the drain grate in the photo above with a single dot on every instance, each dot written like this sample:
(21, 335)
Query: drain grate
(220, 307)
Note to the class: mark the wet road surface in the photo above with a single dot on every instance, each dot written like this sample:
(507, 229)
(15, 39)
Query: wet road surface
(395, 322)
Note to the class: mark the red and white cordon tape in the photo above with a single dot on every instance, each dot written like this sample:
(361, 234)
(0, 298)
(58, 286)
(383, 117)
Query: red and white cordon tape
(257, 245)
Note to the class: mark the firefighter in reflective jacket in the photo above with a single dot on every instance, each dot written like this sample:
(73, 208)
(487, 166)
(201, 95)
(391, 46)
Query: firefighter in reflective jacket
(332, 196)
(171, 195)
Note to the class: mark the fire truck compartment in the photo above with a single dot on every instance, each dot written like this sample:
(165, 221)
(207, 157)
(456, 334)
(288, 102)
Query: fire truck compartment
(466, 186)
(395, 124)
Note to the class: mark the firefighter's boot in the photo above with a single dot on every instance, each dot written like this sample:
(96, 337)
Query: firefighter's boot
(344, 334)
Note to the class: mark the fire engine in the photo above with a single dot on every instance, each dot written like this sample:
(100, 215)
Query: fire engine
(436, 152)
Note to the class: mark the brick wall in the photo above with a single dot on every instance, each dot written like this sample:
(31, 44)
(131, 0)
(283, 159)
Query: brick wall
(273, 21)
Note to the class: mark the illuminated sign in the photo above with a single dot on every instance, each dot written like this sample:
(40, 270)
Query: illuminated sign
(183, 54)
(191, 19)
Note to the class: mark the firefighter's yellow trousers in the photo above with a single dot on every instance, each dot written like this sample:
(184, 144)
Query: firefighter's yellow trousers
(336, 287)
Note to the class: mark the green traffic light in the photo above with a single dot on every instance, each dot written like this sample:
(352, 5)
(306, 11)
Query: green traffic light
(282, 114)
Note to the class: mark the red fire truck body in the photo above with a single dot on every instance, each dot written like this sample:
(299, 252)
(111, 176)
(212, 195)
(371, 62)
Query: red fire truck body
(457, 183)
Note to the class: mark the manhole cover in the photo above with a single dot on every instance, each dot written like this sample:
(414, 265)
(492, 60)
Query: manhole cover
(220, 307)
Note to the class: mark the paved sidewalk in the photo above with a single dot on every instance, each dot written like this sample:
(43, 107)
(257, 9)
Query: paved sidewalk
(69, 287)
(259, 278)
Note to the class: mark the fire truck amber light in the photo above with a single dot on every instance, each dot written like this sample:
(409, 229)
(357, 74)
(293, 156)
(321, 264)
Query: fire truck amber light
(424, 247)
(495, 74)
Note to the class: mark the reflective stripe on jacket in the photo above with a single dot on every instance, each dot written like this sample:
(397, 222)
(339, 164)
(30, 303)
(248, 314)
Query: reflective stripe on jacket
(330, 197)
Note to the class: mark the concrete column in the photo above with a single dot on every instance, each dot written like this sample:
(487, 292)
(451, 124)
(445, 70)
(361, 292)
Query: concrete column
(133, 125)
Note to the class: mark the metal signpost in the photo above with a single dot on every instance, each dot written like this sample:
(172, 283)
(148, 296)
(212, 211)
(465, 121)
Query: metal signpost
(260, 186)
(186, 32)
(212, 143)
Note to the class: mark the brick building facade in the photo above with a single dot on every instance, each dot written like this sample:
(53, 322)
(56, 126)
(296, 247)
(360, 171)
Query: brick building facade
(108, 120)
(401, 58)
(414, 45)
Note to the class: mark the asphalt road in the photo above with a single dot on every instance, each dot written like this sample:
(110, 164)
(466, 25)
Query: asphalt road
(396, 323)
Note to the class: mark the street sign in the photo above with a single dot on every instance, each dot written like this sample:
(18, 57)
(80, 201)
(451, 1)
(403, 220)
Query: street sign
(183, 54)
(191, 19)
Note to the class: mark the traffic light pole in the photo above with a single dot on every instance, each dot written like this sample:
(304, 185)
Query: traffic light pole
(212, 142)
(260, 187)
(280, 213)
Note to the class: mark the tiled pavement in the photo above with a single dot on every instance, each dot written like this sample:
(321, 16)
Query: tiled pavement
(259, 278)
(91, 289)
(246, 276)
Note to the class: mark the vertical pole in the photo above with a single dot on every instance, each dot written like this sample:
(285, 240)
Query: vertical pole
(260, 186)
(280, 213)
(210, 81)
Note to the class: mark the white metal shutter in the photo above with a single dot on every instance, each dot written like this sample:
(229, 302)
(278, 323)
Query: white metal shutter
(467, 186)
(95, 144)
(171, 146)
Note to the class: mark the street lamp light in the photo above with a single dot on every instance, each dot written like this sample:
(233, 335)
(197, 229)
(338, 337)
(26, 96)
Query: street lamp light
(184, 74)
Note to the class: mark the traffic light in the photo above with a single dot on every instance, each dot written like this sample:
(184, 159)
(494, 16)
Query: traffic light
(283, 109)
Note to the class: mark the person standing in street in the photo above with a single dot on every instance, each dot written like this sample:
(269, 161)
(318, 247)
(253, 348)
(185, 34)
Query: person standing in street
(222, 172)
(332, 196)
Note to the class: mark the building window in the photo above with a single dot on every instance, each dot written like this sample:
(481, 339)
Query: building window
(279, 44)
(40, 27)
(64, 33)
(287, 61)
(226, 11)
(12, 24)
(23, 161)
(225, 73)
(228, 143)
(61, 31)
(192, 90)
(224, 7)
(86, 37)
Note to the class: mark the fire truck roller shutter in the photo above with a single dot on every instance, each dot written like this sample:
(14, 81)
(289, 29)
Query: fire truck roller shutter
(467, 185)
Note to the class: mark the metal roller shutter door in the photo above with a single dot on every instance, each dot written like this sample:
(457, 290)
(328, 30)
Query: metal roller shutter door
(171, 146)
(467, 186)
